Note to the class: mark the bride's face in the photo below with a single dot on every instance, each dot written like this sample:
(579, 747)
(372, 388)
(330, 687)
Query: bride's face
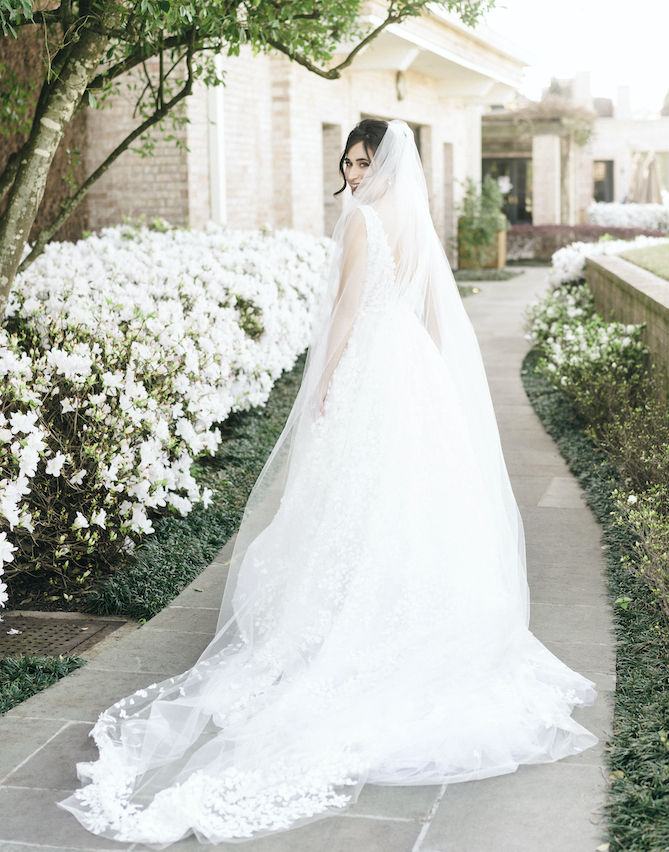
(356, 165)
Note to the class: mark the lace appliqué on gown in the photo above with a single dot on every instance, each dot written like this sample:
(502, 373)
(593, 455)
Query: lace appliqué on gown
(383, 637)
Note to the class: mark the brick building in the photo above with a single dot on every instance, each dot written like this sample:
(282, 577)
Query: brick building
(265, 148)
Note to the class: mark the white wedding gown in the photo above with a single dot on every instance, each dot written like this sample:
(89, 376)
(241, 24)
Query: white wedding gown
(384, 642)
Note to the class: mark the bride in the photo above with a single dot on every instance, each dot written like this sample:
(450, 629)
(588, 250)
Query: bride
(374, 627)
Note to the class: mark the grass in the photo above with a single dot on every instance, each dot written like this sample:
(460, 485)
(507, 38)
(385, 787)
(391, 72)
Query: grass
(638, 752)
(486, 274)
(653, 258)
(181, 548)
(21, 677)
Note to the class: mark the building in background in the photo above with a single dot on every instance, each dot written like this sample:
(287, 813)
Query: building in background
(553, 181)
(265, 148)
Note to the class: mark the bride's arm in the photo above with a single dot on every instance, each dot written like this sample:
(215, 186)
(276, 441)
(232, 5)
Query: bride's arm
(347, 303)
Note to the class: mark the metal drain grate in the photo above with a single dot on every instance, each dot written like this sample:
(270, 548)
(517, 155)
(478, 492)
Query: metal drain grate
(51, 637)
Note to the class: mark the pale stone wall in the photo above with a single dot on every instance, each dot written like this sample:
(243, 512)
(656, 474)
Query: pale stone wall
(546, 180)
(249, 173)
(153, 186)
(616, 139)
(197, 139)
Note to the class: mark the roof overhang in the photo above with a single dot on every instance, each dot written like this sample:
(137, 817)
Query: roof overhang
(402, 48)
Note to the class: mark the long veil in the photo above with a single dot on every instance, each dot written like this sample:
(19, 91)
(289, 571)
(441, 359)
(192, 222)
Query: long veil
(395, 188)
(276, 725)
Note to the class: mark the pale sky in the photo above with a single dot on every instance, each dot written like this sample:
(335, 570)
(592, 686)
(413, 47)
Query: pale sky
(621, 42)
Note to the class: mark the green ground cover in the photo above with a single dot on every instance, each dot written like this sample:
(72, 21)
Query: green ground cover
(638, 752)
(653, 258)
(21, 677)
(486, 274)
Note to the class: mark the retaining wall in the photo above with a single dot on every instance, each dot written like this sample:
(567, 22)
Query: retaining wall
(627, 293)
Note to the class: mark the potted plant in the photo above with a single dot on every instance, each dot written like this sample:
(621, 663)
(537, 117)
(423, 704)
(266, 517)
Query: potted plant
(482, 227)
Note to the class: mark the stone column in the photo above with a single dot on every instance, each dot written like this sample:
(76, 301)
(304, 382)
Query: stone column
(217, 177)
(197, 139)
(281, 142)
(546, 179)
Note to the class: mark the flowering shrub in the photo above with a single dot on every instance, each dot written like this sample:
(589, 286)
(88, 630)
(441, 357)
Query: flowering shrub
(581, 353)
(540, 242)
(645, 515)
(119, 356)
(569, 262)
(573, 337)
(614, 214)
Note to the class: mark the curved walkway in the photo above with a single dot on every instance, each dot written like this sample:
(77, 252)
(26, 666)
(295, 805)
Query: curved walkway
(552, 808)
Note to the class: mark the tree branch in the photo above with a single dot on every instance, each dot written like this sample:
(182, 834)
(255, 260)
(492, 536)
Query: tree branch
(12, 167)
(71, 203)
(133, 60)
(335, 73)
(36, 18)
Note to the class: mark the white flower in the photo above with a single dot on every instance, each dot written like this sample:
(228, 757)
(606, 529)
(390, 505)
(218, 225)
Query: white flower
(73, 365)
(78, 477)
(25, 521)
(23, 422)
(141, 331)
(568, 263)
(7, 549)
(99, 519)
(80, 522)
(11, 492)
(632, 498)
(55, 465)
(616, 215)
(140, 523)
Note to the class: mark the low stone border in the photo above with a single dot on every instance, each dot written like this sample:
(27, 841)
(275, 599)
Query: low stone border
(627, 293)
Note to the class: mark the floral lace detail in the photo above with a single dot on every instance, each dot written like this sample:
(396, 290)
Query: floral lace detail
(379, 638)
(232, 804)
(380, 274)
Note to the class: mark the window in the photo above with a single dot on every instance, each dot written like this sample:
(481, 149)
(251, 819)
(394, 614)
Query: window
(514, 176)
(603, 180)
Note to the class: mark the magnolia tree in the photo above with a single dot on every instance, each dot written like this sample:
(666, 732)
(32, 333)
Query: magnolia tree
(89, 44)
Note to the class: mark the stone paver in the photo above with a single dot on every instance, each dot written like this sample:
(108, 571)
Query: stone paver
(552, 808)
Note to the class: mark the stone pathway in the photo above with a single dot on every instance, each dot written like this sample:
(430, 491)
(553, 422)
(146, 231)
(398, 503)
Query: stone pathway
(542, 808)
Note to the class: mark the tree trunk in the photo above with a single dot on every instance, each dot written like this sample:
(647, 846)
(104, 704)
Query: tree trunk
(54, 112)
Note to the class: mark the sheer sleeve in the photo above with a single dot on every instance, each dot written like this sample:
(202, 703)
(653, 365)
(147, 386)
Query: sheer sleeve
(349, 298)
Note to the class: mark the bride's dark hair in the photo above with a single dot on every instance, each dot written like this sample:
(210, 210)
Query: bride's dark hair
(369, 131)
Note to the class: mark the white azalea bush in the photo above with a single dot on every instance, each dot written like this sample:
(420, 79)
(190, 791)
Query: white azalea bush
(615, 215)
(588, 358)
(119, 356)
(568, 263)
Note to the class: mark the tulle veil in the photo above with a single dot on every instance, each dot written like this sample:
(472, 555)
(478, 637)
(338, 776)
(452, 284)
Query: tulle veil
(163, 756)
(395, 188)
